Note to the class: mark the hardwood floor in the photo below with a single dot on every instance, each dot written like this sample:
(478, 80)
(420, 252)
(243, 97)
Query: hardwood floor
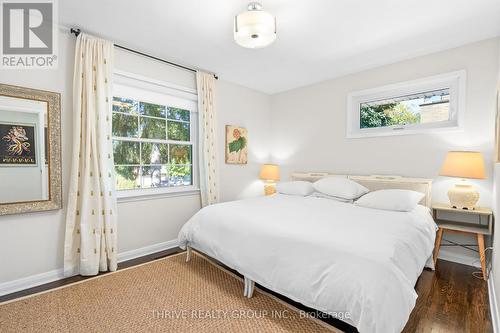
(450, 299)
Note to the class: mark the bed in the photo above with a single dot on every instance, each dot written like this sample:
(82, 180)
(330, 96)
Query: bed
(354, 263)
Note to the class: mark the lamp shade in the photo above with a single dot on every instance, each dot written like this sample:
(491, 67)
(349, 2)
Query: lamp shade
(463, 164)
(270, 172)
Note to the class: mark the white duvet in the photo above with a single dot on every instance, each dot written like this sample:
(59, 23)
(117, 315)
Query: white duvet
(335, 257)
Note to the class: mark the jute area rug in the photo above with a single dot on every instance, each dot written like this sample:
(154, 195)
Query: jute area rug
(166, 295)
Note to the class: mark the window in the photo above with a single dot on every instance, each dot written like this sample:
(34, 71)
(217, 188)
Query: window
(433, 103)
(153, 139)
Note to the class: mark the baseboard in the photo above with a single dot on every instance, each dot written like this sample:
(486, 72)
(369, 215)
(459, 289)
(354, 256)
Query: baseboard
(57, 274)
(493, 304)
(30, 281)
(143, 251)
(459, 258)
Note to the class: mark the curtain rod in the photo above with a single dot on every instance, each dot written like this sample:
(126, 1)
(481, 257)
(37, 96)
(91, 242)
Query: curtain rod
(77, 31)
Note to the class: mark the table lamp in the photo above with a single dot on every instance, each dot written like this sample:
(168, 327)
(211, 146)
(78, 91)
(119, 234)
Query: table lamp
(271, 174)
(463, 164)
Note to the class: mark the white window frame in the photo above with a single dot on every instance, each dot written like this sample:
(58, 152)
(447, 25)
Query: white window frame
(137, 87)
(455, 81)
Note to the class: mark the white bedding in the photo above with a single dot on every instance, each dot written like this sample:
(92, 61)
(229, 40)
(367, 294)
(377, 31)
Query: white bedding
(334, 257)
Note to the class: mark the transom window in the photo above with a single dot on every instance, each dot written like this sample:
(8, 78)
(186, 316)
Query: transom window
(420, 108)
(408, 107)
(152, 140)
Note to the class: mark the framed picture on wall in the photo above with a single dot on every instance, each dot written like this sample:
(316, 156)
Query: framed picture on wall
(17, 144)
(236, 145)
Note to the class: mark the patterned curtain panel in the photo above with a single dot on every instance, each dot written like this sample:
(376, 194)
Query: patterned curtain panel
(90, 244)
(209, 184)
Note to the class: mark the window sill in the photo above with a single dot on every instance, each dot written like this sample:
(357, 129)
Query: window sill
(154, 194)
(356, 134)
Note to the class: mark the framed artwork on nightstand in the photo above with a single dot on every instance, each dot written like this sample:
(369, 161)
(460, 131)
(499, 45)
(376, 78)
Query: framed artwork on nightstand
(236, 145)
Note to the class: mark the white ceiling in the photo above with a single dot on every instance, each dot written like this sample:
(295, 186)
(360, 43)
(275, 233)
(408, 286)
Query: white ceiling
(317, 39)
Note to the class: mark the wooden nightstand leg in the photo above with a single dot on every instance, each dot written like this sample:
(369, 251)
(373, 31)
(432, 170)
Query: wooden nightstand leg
(439, 236)
(480, 243)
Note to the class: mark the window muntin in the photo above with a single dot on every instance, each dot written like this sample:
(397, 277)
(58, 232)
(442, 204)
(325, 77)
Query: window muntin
(433, 103)
(152, 144)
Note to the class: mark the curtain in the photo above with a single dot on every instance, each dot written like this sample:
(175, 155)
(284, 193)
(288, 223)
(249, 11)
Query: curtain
(207, 145)
(90, 243)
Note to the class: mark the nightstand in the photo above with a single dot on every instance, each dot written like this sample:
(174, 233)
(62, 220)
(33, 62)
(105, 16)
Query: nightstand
(483, 227)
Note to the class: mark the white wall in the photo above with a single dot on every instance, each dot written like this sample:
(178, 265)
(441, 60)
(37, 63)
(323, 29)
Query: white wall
(237, 105)
(309, 124)
(32, 244)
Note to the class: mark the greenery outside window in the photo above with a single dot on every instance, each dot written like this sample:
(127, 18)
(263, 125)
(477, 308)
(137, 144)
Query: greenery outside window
(153, 142)
(434, 103)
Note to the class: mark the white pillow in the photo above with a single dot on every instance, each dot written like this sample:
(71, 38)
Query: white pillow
(397, 200)
(330, 197)
(340, 187)
(298, 187)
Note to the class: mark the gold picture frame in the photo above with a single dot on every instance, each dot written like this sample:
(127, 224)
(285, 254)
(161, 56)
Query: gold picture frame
(53, 142)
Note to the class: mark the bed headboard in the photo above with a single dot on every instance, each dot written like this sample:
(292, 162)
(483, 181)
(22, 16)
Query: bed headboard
(378, 182)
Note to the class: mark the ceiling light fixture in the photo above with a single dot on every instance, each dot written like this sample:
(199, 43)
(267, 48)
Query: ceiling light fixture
(254, 28)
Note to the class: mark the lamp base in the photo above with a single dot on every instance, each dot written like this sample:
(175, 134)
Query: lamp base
(463, 196)
(269, 188)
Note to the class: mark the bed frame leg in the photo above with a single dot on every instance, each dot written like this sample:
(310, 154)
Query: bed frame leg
(249, 288)
(245, 288)
(188, 254)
